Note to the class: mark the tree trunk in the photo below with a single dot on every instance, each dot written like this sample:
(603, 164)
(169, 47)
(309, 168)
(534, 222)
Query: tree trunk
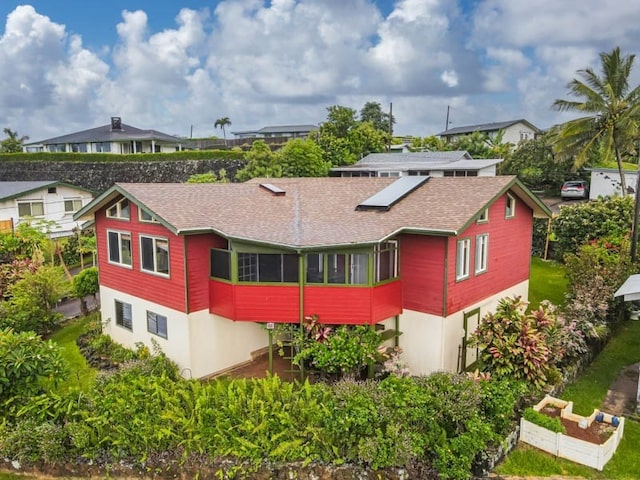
(623, 180)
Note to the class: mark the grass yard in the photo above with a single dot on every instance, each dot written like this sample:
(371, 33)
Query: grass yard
(547, 282)
(81, 373)
(587, 393)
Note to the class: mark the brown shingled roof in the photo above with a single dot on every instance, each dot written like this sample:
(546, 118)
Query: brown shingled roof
(314, 211)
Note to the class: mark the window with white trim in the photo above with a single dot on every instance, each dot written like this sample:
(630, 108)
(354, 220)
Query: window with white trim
(72, 205)
(124, 317)
(484, 216)
(119, 245)
(145, 216)
(120, 210)
(463, 254)
(157, 324)
(510, 207)
(154, 255)
(30, 209)
(482, 252)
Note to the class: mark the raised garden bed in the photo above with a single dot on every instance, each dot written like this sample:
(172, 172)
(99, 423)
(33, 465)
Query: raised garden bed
(590, 441)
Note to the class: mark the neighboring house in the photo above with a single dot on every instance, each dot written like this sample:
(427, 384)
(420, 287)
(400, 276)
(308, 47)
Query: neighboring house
(515, 131)
(46, 201)
(435, 164)
(116, 137)
(605, 182)
(203, 269)
(281, 131)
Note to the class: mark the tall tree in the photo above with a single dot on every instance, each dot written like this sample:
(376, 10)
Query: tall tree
(372, 112)
(261, 162)
(222, 123)
(612, 114)
(13, 143)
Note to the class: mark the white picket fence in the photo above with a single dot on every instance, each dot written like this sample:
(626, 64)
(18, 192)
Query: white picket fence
(564, 446)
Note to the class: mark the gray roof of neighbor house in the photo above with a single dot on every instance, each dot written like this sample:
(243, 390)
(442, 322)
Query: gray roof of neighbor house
(106, 133)
(9, 190)
(454, 160)
(281, 129)
(307, 213)
(485, 127)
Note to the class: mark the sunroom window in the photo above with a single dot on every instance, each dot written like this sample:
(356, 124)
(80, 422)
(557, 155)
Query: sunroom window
(267, 267)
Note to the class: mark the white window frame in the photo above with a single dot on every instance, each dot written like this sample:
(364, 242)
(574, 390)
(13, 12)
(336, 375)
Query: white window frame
(151, 217)
(510, 206)
(154, 251)
(482, 253)
(463, 257)
(484, 216)
(31, 203)
(118, 211)
(75, 202)
(119, 262)
(125, 322)
(153, 321)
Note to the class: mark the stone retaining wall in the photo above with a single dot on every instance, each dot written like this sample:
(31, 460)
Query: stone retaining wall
(99, 176)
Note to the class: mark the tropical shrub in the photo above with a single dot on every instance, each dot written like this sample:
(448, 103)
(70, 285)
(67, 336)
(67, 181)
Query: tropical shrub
(27, 364)
(579, 224)
(595, 272)
(33, 298)
(519, 345)
(344, 350)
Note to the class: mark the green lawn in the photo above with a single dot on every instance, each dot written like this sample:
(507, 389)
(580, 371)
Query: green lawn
(547, 282)
(587, 393)
(81, 374)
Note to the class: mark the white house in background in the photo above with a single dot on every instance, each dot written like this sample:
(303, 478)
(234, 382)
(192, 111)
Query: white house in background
(433, 164)
(515, 131)
(287, 131)
(605, 182)
(116, 137)
(49, 201)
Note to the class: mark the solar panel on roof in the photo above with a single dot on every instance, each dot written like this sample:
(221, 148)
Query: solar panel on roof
(391, 194)
(277, 191)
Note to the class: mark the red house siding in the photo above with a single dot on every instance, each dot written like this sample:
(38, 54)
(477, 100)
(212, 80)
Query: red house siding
(386, 301)
(333, 305)
(198, 248)
(169, 292)
(422, 269)
(509, 256)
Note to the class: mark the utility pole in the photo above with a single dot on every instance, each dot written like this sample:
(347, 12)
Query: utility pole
(636, 212)
(390, 126)
(446, 126)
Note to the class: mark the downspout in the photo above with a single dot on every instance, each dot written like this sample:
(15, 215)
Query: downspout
(444, 302)
(301, 278)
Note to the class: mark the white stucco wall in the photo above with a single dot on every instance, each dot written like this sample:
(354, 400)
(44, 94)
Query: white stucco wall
(200, 343)
(431, 343)
(517, 133)
(606, 182)
(218, 343)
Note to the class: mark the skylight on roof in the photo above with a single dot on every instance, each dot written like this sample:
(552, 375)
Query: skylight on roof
(392, 194)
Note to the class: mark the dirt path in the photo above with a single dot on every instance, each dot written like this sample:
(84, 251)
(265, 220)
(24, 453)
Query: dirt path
(621, 397)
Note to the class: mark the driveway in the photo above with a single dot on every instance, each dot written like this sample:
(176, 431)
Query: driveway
(70, 308)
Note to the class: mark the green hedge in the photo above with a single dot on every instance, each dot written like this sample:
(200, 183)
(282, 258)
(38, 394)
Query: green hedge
(111, 157)
(142, 412)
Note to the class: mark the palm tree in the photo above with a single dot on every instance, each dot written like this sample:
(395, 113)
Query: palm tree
(222, 122)
(13, 143)
(612, 119)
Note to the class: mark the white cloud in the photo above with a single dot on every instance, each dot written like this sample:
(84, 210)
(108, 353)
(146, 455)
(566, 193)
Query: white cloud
(285, 61)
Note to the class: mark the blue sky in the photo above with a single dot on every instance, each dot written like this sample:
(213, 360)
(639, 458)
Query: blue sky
(177, 68)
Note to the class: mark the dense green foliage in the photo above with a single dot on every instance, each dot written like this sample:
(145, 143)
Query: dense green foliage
(86, 282)
(32, 299)
(535, 165)
(144, 409)
(110, 157)
(527, 346)
(27, 363)
(578, 224)
(13, 143)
